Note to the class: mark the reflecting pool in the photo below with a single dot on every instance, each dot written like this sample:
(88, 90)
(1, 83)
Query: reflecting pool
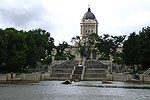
(85, 90)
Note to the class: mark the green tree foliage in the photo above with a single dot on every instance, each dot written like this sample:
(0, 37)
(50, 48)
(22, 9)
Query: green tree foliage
(90, 43)
(87, 44)
(131, 49)
(47, 60)
(19, 49)
(104, 45)
(136, 48)
(107, 45)
(69, 55)
(118, 58)
(60, 54)
(77, 41)
(40, 45)
(144, 35)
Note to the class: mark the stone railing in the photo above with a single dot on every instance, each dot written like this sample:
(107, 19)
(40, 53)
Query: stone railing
(77, 73)
(57, 63)
(82, 76)
(72, 73)
(105, 62)
(147, 72)
(5, 77)
(26, 77)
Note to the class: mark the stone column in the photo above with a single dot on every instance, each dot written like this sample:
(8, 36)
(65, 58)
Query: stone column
(111, 63)
(83, 62)
(81, 30)
(53, 58)
(23, 76)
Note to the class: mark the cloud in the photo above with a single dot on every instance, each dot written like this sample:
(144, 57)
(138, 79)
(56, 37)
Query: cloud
(25, 15)
(62, 17)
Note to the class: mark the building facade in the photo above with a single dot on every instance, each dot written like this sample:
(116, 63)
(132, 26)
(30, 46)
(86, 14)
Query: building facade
(88, 25)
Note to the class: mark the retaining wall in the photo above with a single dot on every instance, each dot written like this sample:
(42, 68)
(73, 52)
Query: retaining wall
(32, 77)
(46, 76)
(118, 76)
(146, 78)
(5, 77)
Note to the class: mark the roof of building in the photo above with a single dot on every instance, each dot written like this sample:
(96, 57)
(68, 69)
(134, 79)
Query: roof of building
(89, 15)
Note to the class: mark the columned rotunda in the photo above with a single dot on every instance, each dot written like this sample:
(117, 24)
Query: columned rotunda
(89, 24)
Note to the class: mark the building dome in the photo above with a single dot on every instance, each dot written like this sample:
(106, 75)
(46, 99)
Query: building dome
(89, 15)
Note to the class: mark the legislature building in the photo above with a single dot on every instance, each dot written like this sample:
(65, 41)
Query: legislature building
(88, 25)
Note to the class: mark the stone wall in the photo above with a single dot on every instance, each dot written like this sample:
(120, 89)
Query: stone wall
(32, 77)
(46, 76)
(146, 78)
(36, 76)
(26, 77)
(118, 77)
(109, 77)
(5, 77)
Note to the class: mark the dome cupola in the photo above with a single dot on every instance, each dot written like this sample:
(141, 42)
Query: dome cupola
(89, 15)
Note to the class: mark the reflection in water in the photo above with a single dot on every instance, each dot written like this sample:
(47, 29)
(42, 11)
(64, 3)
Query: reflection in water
(54, 90)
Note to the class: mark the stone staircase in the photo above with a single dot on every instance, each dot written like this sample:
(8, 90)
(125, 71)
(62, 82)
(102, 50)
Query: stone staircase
(77, 73)
(94, 71)
(147, 72)
(63, 70)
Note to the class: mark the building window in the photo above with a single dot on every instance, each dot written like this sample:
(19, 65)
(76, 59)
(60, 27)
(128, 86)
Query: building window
(86, 31)
(91, 31)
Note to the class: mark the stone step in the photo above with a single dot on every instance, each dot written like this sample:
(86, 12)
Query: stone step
(95, 75)
(66, 66)
(59, 78)
(71, 64)
(62, 71)
(61, 75)
(95, 67)
(78, 68)
(95, 71)
(78, 72)
(94, 79)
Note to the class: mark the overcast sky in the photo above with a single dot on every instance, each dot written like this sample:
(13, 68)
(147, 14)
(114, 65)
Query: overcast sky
(62, 17)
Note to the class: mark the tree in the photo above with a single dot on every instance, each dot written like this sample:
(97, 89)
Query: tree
(90, 43)
(107, 45)
(69, 55)
(144, 35)
(117, 41)
(86, 45)
(118, 58)
(136, 48)
(104, 45)
(40, 46)
(19, 49)
(60, 55)
(131, 49)
(3, 50)
(77, 41)
(16, 50)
